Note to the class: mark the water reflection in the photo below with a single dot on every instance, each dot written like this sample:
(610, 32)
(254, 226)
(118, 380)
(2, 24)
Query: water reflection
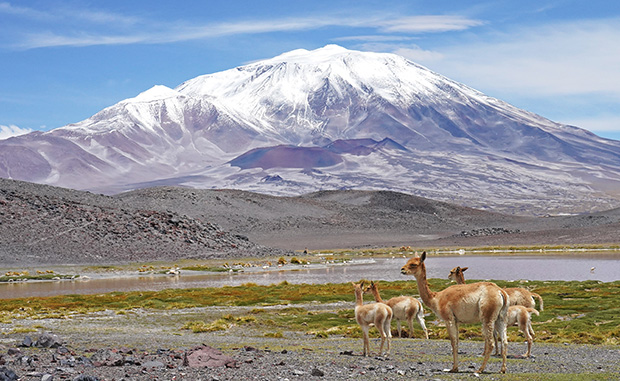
(560, 267)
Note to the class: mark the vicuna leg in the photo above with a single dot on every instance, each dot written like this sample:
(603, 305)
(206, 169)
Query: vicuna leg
(500, 332)
(453, 332)
(384, 332)
(487, 333)
(366, 341)
(410, 323)
(524, 328)
(386, 335)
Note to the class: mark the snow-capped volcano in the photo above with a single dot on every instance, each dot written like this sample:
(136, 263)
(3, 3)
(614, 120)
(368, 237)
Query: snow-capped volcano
(327, 119)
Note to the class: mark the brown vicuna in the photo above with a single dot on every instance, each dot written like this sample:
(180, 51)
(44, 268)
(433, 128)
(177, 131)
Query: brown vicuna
(518, 296)
(378, 314)
(517, 314)
(522, 317)
(405, 308)
(483, 302)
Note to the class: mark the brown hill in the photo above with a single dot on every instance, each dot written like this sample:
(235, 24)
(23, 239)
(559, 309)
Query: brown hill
(43, 224)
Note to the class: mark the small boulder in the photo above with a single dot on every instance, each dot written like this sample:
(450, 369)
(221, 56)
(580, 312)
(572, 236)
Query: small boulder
(106, 357)
(27, 342)
(150, 365)
(48, 340)
(7, 374)
(208, 357)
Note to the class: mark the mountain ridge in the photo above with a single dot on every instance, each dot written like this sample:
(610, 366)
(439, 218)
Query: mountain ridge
(460, 144)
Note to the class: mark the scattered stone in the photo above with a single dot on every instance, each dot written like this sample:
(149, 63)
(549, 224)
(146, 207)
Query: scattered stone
(48, 340)
(27, 342)
(7, 374)
(47, 377)
(208, 357)
(106, 357)
(150, 365)
(317, 372)
(486, 232)
(85, 378)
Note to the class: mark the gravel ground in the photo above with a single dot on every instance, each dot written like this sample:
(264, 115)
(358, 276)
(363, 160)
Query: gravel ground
(151, 346)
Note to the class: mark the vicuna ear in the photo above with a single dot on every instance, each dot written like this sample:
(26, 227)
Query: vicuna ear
(353, 283)
(464, 268)
(423, 257)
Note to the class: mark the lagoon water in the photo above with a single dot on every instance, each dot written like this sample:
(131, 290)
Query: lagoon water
(481, 267)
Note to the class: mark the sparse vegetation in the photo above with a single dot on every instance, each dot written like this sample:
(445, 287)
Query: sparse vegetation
(26, 276)
(575, 312)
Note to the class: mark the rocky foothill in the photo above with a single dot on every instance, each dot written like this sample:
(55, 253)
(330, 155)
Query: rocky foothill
(48, 225)
(78, 227)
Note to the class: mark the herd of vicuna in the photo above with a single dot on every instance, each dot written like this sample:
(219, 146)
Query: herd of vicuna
(484, 302)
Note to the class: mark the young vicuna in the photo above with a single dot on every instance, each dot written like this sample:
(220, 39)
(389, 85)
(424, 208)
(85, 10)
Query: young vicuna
(405, 308)
(522, 317)
(378, 314)
(518, 296)
(465, 303)
(517, 314)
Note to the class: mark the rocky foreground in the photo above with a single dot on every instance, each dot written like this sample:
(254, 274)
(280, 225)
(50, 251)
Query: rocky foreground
(330, 359)
(150, 345)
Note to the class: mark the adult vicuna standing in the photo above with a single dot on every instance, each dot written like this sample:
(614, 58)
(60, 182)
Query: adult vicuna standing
(517, 314)
(483, 302)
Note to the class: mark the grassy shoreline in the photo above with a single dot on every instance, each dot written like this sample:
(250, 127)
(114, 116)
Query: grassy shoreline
(584, 312)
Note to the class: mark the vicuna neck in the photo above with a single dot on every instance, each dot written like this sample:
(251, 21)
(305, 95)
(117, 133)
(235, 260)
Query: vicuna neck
(375, 292)
(359, 297)
(425, 292)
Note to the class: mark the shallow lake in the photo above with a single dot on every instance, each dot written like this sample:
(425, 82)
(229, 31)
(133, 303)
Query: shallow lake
(508, 267)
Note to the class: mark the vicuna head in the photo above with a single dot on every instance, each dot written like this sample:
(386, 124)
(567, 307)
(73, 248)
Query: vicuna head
(456, 274)
(371, 287)
(414, 266)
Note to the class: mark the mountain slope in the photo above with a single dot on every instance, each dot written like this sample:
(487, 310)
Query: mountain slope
(303, 113)
(43, 225)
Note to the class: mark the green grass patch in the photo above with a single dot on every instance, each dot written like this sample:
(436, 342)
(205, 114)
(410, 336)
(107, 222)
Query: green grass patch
(577, 312)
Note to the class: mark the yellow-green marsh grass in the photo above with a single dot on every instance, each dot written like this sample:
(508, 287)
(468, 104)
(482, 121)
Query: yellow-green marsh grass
(575, 312)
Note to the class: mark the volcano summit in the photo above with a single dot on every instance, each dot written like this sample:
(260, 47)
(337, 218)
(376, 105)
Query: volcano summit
(330, 118)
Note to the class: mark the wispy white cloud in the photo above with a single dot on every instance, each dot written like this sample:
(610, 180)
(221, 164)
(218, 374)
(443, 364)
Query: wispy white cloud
(602, 123)
(429, 24)
(10, 131)
(9, 9)
(563, 70)
(569, 58)
(87, 27)
(79, 15)
(375, 38)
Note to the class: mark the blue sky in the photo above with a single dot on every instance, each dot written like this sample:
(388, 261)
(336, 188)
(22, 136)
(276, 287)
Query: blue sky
(63, 61)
